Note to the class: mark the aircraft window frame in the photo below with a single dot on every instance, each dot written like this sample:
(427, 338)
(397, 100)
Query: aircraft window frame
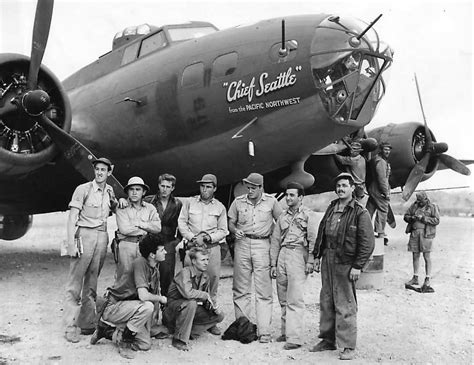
(150, 44)
(179, 34)
(193, 75)
(130, 53)
(224, 65)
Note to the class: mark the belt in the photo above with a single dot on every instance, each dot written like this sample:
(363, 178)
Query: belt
(131, 238)
(256, 237)
(292, 247)
(102, 227)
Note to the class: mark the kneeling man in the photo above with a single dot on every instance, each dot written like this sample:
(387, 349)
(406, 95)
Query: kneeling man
(133, 302)
(190, 310)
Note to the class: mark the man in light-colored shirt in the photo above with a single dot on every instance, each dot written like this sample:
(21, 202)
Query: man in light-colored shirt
(87, 240)
(292, 240)
(204, 213)
(134, 221)
(251, 218)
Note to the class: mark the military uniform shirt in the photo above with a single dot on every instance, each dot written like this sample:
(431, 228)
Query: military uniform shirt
(255, 219)
(129, 217)
(93, 204)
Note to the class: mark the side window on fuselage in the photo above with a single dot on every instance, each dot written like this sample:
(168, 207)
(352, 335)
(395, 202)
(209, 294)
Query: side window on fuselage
(224, 65)
(130, 53)
(193, 75)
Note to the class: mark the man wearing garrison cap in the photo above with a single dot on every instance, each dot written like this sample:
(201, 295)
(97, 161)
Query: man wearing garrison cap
(251, 218)
(292, 240)
(422, 218)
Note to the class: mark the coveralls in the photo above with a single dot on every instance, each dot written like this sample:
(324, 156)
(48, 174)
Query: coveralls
(252, 254)
(379, 192)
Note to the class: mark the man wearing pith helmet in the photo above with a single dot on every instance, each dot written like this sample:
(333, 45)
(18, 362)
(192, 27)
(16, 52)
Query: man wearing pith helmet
(344, 244)
(205, 215)
(133, 222)
(251, 219)
(87, 240)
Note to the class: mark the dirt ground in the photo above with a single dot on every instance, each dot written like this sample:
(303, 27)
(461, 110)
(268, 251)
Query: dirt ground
(394, 325)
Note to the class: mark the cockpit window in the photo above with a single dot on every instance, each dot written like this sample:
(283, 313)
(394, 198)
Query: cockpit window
(152, 43)
(182, 34)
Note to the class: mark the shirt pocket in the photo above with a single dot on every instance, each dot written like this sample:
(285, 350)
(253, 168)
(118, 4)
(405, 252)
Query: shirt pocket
(263, 214)
(91, 210)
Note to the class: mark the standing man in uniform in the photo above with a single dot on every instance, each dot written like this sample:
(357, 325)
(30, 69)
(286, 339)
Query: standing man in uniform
(355, 164)
(292, 240)
(251, 218)
(345, 242)
(131, 304)
(190, 310)
(87, 240)
(204, 213)
(134, 221)
(168, 208)
(379, 189)
(422, 218)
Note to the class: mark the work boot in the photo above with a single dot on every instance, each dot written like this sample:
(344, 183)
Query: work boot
(323, 345)
(103, 330)
(180, 345)
(347, 354)
(216, 331)
(413, 281)
(426, 288)
(72, 334)
(281, 338)
(291, 346)
(125, 346)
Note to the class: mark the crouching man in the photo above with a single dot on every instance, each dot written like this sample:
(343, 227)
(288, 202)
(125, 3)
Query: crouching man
(133, 303)
(190, 310)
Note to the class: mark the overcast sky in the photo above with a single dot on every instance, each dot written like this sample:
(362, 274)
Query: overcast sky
(431, 38)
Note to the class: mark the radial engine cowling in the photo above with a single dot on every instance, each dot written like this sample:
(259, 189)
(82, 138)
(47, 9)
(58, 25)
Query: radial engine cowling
(24, 145)
(13, 227)
(407, 140)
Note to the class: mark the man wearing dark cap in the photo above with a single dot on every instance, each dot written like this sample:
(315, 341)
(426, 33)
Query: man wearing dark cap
(345, 242)
(422, 218)
(292, 240)
(131, 307)
(251, 218)
(133, 222)
(87, 241)
(379, 189)
(355, 165)
(168, 208)
(204, 213)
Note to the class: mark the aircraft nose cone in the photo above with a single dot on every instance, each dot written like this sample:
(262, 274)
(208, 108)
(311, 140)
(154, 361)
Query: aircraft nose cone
(35, 102)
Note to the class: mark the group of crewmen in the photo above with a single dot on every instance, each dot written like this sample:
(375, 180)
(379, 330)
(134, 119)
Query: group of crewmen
(270, 243)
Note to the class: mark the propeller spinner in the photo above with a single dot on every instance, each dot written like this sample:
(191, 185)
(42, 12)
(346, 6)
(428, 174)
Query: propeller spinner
(429, 149)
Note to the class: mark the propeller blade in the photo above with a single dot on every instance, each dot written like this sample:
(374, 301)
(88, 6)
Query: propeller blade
(416, 174)
(454, 164)
(427, 131)
(44, 13)
(76, 153)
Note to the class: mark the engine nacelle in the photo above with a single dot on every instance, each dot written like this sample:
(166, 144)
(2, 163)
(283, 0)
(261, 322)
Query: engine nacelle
(13, 227)
(407, 140)
(24, 145)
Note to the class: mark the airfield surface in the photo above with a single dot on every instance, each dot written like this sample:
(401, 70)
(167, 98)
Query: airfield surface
(395, 325)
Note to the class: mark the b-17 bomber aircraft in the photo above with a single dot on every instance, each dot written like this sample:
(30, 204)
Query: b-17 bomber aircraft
(187, 99)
